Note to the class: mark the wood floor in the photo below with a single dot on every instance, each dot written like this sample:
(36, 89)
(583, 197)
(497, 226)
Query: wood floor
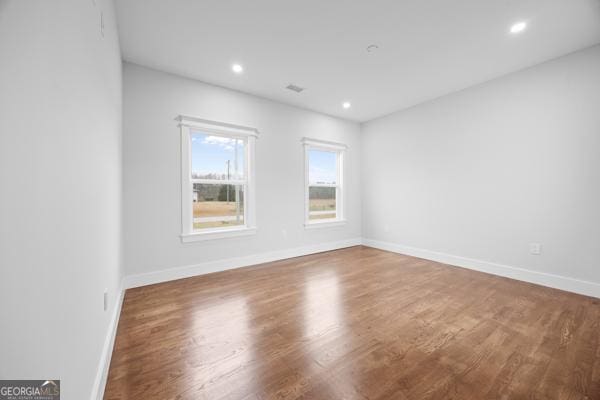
(357, 323)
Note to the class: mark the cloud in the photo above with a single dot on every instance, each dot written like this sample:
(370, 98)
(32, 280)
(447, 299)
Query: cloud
(321, 175)
(223, 142)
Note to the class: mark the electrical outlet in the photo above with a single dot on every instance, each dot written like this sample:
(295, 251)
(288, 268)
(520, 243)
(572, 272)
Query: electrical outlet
(105, 299)
(535, 249)
(284, 233)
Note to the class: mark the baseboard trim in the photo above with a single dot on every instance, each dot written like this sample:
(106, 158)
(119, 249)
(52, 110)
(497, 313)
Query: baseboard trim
(107, 349)
(540, 278)
(189, 271)
(150, 278)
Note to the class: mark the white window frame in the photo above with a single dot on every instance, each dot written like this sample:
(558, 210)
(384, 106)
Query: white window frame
(187, 126)
(340, 150)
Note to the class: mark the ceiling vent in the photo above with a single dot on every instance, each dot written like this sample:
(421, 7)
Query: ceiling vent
(295, 88)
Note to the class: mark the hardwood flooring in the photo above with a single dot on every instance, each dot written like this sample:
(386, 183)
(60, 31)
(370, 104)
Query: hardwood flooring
(357, 323)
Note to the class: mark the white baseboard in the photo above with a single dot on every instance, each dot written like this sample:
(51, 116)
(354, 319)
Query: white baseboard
(193, 270)
(231, 263)
(107, 349)
(540, 278)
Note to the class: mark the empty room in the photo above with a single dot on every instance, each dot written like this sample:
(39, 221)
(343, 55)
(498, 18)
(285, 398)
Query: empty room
(299, 200)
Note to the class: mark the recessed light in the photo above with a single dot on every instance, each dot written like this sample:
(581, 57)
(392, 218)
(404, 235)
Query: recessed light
(518, 27)
(346, 104)
(237, 68)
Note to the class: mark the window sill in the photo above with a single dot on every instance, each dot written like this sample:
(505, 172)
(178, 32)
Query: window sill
(325, 224)
(216, 234)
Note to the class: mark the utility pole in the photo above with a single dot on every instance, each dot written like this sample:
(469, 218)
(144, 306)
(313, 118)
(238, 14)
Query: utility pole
(228, 177)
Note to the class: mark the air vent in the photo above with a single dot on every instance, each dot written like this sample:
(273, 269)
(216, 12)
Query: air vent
(295, 88)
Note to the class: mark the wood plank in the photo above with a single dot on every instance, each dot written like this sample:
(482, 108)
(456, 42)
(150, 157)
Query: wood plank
(356, 323)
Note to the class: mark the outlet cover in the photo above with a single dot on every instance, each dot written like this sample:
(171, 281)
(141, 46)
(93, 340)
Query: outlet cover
(535, 249)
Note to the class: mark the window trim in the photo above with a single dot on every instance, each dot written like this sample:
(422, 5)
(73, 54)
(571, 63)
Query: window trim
(189, 124)
(340, 150)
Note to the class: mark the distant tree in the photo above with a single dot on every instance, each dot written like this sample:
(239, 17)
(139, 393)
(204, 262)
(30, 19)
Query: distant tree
(223, 193)
(317, 192)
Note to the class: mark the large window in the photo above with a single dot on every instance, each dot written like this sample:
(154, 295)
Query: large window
(324, 178)
(217, 179)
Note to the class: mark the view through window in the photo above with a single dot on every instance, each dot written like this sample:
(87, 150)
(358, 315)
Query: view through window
(322, 184)
(219, 178)
(324, 194)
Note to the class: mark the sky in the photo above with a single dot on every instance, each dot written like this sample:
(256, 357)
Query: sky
(210, 155)
(321, 166)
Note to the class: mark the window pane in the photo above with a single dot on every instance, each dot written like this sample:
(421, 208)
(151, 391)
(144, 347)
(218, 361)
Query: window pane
(321, 203)
(217, 206)
(322, 167)
(217, 157)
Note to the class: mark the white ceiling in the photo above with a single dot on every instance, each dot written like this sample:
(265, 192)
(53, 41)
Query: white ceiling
(427, 48)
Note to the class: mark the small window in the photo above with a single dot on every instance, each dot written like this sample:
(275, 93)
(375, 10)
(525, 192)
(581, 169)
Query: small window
(324, 192)
(217, 179)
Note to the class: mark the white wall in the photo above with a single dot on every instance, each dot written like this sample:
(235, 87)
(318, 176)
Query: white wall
(480, 173)
(484, 172)
(60, 185)
(152, 170)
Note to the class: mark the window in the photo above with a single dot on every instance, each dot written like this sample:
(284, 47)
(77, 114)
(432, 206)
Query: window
(217, 179)
(324, 179)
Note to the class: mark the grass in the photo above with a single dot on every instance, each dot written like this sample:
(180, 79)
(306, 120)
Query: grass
(215, 209)
(321, 204)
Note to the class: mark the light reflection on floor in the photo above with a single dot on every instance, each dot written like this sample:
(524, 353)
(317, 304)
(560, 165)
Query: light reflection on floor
(223, 345)
(322, 308)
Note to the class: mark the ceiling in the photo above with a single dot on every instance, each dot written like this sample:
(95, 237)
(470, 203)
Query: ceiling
(427, 48)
